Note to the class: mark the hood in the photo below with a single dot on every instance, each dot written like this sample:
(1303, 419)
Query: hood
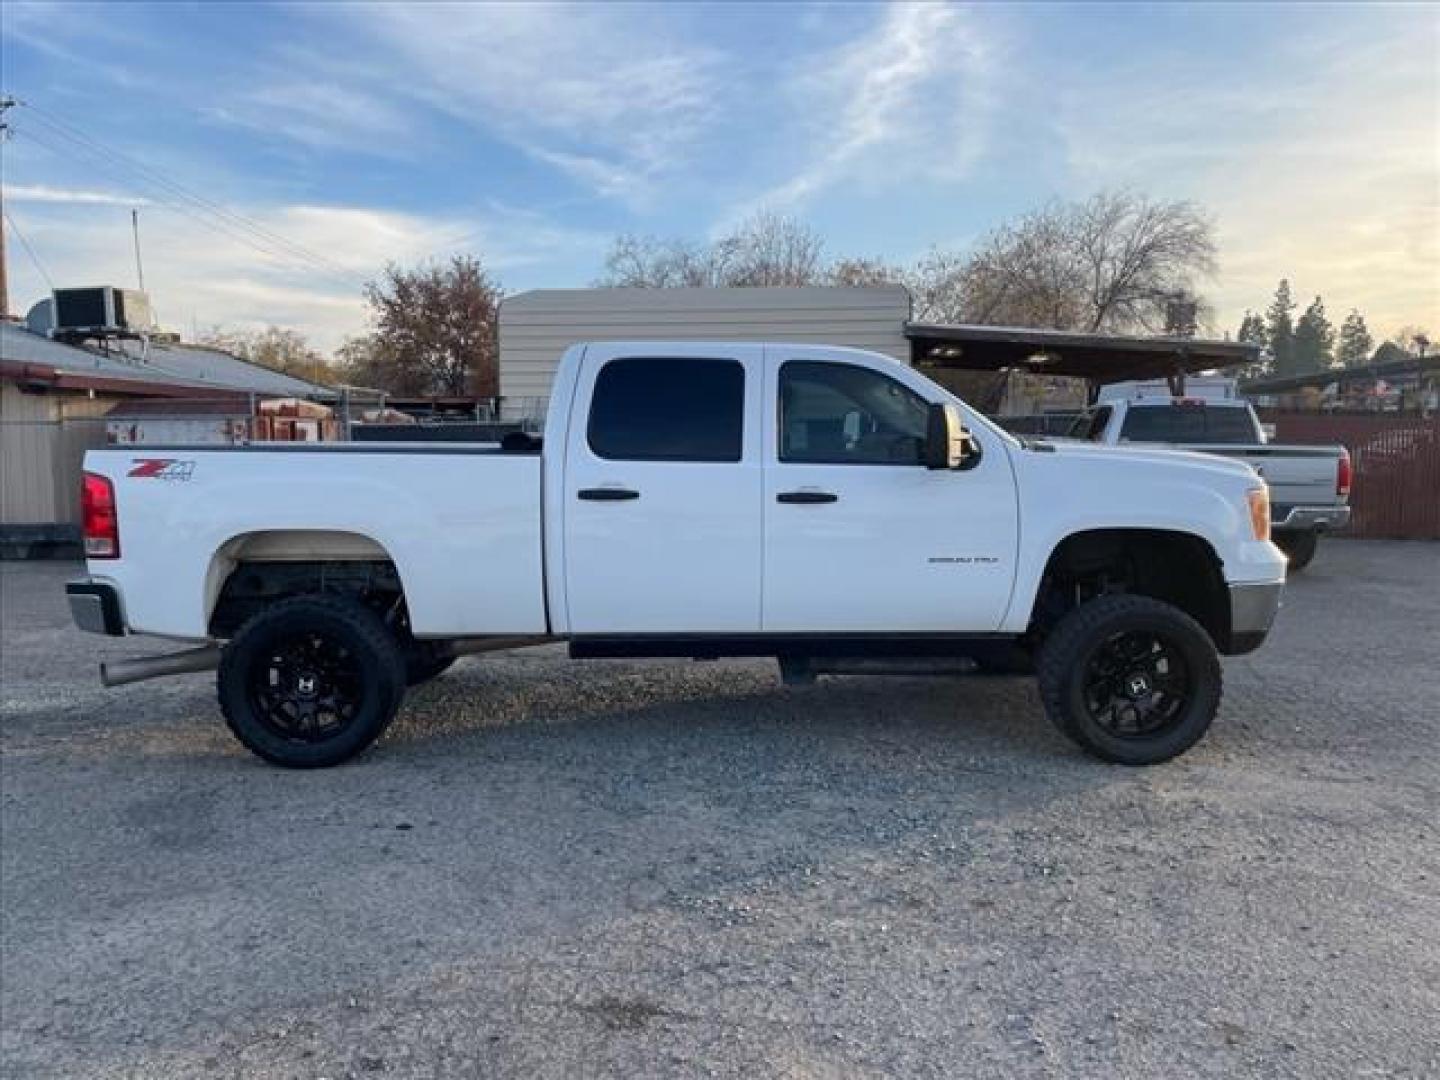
(1081, 450)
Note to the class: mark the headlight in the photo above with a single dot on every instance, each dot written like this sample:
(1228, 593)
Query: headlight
(1259, 499)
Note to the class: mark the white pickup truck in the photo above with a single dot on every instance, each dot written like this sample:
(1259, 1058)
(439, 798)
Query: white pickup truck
(1309, 485)
(828, 507)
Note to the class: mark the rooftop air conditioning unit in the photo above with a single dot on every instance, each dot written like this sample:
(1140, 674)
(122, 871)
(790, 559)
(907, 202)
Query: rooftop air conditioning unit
(102, 309)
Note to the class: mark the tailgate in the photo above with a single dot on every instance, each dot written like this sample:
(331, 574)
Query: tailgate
(1297, 475)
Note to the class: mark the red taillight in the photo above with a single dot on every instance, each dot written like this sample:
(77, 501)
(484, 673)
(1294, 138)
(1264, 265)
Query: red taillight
(97, 518)
(1343, 475)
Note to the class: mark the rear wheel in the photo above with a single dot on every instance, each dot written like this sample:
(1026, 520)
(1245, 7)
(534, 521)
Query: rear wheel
(1299, 546)
(311, 681)
(1130, 679)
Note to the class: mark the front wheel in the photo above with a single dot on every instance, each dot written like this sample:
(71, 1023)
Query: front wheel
(1130, 679)
(311, 681)
(1299, 547)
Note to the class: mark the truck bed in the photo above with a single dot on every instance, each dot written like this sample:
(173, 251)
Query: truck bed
(460, 522)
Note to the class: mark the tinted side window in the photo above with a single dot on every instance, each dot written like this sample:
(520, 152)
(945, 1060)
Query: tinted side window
(661, 408)
(840, 414)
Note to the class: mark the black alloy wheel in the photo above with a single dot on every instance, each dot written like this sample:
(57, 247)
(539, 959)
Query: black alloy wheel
(311, 681)
(1136, 684)
(306, 687)
(1130, 679)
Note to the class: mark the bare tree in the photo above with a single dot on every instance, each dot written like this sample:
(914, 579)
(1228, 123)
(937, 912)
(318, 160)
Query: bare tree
(276, 348)
(648, 262)
(769, 249)
(1137, 255)
(435, 330)
(1117, 262)
(766, 249)
(864, 273)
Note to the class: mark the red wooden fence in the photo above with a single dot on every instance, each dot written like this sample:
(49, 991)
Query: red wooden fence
(1396, 491)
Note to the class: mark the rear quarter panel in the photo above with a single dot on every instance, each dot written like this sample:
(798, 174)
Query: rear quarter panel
(463, 529)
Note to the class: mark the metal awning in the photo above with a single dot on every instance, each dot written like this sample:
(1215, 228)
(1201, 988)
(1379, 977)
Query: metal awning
(1101, 358)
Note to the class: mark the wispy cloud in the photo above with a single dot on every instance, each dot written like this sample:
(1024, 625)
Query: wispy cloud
(597, 91)
(1322, 170)
(214, 278)
(42, 193)
(320, 113)
(910, 96)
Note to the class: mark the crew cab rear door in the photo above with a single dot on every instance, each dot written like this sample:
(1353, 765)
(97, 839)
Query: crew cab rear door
(662, 490)
(861, 537)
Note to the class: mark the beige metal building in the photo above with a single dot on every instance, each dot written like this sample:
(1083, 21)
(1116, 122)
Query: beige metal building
(536, 327)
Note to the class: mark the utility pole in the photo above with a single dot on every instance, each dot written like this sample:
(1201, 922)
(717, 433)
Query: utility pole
(135, 229)
(6, 103)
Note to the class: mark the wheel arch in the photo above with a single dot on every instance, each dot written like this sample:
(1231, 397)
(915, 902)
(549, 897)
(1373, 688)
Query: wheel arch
(291, 552)
(1172, 565)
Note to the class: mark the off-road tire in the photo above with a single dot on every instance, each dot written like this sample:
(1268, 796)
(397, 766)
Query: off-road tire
(1064, 666)
(1299, 546)
(379, 678)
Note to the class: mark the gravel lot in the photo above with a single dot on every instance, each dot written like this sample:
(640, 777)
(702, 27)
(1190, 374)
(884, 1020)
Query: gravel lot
(605, 869)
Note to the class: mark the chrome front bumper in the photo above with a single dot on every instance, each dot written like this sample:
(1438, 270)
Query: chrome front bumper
(1308, 518)
(1252, 613)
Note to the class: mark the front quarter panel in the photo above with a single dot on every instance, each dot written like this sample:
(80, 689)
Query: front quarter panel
(1062, 494)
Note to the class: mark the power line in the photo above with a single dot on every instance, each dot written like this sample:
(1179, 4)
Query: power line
(218, 226)
(28, 249)
(213, 224)
(139, 168)
(186, 202)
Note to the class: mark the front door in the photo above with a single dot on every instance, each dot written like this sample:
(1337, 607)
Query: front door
(662, 492)
(860, 537)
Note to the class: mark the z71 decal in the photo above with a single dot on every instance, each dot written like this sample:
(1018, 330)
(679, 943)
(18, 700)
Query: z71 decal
(161, 469)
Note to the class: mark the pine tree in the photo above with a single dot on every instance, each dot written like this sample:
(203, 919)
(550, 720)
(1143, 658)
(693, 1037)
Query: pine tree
(1314, 344)
(1252, 332)
(1252, 329)
(1280, 329)
(1355, 340)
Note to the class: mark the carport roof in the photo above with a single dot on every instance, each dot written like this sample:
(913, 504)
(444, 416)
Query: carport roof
(1102, 358)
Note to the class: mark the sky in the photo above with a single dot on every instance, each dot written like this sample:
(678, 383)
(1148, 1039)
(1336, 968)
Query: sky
(323, 140)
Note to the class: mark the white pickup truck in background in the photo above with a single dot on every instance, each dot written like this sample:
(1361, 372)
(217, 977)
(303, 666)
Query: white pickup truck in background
(828, 507)
(1309, 485)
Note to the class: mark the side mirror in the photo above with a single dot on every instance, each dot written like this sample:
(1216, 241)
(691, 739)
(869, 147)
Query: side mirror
(948, 444)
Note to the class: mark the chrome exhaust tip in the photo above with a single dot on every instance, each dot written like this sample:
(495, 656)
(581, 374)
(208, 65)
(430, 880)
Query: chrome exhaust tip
(121, 672)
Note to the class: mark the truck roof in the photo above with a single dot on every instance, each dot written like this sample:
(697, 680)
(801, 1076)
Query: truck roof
(1214, 389)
